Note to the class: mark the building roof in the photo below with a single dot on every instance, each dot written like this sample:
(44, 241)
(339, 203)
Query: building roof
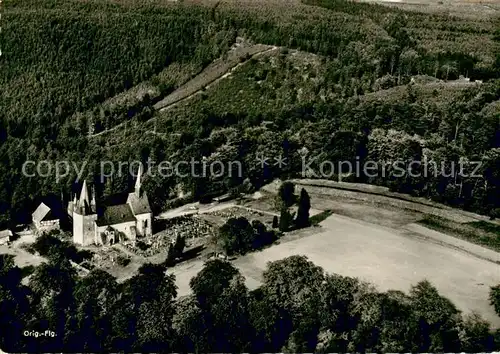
(84, 194)
(116, 214)
(56, 206)
(40, 213)
(6, 233)
(86, 202)
(139, 205)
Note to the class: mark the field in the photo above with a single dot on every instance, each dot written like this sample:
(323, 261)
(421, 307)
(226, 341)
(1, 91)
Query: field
(382, 256)
(379, 243)
(465, 8)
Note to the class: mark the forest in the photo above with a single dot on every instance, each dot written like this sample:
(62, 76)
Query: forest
(349, 81)
(62, 59)
(298, 308)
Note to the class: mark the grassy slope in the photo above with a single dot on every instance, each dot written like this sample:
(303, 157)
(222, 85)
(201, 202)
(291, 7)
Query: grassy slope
(480, 232)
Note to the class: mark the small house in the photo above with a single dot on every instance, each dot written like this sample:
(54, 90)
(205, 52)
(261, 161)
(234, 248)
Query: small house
(6, 236)
(44, 219)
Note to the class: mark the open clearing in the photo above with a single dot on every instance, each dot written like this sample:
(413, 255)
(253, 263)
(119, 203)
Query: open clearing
(387, 258)
(373, 235)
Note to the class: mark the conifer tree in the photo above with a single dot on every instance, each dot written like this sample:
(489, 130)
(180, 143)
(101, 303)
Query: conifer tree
(286, 220)
(275, 222)
(302, 219)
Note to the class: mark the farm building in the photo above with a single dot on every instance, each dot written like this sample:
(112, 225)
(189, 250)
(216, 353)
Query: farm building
(44, 218)
(6, 236)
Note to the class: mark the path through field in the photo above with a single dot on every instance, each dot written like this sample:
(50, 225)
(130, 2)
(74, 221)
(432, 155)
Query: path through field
(218, 70)
(385, 257)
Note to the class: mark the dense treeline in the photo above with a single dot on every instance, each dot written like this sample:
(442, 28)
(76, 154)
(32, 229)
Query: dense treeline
(298, 308)
(62, 57)
(58, 61)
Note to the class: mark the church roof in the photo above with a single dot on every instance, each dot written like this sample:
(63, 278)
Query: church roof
(40, 213)
(84, 194)
(139, 205)
(116, 214)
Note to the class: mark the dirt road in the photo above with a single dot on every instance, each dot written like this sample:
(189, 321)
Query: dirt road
(195, 208)
(466, 8)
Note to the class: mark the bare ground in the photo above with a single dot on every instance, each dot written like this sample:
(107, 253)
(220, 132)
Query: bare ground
(22, 258)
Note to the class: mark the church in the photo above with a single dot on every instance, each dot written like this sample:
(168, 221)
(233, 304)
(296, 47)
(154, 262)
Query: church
(115, 223)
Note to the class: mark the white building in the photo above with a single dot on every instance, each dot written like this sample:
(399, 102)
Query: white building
(115, 223)
(44, 219)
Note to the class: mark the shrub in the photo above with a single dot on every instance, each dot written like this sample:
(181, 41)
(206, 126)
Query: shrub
(275, 222)
(122, 261)
(303, 211)
(179, 245)
(495, 298)
(236, 236)
(142, 246)
(27, 270)
(263, 236)
(286, 220)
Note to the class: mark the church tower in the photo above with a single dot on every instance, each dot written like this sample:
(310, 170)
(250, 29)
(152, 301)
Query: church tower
(84, 217)
(139, 204)
(138, 182)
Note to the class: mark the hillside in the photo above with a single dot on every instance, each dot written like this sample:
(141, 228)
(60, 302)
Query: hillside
(101, 65)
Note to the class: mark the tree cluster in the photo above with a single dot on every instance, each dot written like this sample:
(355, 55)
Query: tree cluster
(53, 245)
(284, 200)
(239, 236)
(298, 308)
